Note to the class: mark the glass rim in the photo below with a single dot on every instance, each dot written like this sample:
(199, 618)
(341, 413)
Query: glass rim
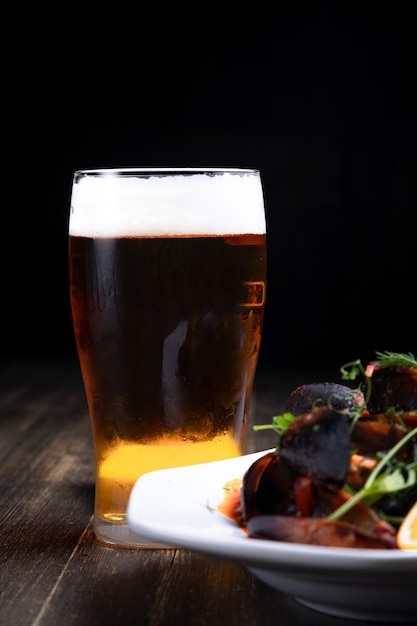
(152, 171)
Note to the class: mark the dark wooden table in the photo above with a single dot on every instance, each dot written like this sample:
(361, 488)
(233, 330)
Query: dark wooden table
(53, 572)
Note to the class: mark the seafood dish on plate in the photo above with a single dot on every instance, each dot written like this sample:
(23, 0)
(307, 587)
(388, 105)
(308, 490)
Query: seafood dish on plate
(344, 472)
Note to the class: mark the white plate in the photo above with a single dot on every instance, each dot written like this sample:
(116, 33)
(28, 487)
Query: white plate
(178, 507)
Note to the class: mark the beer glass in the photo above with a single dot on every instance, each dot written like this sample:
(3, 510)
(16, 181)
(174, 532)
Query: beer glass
(167, 279)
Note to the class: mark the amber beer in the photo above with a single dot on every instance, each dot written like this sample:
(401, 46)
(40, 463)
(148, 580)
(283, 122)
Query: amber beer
(167, 323)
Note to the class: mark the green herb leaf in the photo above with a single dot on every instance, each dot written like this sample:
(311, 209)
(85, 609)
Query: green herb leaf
(279, 423)
(388, 359)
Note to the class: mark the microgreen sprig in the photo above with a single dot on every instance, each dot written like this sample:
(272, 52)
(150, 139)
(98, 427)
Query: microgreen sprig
(351, 370)
(279, 423)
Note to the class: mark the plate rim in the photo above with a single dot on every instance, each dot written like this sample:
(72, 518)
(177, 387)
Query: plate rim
(264, 553)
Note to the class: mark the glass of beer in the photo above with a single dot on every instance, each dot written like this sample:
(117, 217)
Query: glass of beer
(167, 275)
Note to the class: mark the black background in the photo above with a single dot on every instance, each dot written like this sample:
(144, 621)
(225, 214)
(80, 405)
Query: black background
(320, 97)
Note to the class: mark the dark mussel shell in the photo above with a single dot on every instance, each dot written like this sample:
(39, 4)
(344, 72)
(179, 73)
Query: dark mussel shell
(331, 395)
(268, 488)
(392, 387)
(319, 532)
(317, 444)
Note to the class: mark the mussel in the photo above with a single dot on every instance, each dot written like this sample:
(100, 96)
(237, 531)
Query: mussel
(370, 436)
(315, 531)
(392, 387)
(332, 395)
(316, 445)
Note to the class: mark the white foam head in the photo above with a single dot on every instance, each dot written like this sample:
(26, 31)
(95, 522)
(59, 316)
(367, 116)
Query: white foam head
(167, 202)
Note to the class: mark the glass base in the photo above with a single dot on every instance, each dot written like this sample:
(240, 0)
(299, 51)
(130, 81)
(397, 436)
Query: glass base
(120, 535)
